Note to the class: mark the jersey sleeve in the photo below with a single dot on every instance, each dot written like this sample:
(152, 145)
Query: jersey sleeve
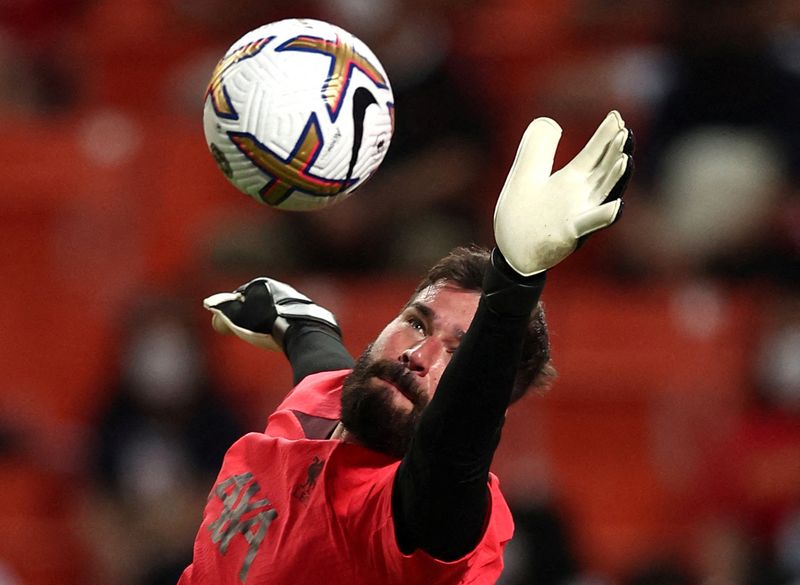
(483, 564)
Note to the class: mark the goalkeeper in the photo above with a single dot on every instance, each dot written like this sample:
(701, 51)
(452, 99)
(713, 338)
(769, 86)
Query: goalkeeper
(377, 471)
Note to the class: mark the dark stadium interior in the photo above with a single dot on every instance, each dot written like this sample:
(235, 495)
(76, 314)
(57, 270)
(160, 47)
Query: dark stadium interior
(668, 450)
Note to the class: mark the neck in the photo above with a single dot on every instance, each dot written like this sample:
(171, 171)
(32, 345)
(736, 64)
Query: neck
(340, 433)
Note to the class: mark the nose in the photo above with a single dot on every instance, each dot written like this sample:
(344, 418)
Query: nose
(420, 357)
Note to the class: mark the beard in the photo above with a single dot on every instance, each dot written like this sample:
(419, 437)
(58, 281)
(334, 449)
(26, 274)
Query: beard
(369, 412)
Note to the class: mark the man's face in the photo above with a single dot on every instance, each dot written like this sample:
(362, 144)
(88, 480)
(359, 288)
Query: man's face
(397, 375)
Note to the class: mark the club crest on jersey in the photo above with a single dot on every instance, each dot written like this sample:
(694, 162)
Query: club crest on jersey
(303, 491)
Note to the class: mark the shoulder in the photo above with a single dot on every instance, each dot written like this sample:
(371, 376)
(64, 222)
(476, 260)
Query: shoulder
(311, 409)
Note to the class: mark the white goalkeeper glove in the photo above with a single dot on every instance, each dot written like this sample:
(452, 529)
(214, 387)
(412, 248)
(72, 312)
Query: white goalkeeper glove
(262, 310)
(541, 218)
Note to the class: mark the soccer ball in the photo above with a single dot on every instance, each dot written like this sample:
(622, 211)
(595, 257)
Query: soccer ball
(298, 114)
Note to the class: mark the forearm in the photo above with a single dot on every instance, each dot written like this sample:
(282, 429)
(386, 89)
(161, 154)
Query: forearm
(441, 494)
(312, 347)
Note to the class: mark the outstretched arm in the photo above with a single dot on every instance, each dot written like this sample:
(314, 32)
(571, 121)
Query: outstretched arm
(441, 499)
(273, 315)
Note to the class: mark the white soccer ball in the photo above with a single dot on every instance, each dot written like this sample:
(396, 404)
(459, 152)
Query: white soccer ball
(298, 114)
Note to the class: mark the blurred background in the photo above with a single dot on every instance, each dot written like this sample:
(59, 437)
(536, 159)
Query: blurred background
(667, 453)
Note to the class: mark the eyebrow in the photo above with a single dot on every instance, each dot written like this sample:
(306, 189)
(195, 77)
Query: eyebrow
(425, 310)
(430, 315)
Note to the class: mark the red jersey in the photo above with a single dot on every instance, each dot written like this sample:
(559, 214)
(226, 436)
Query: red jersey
(292, 507)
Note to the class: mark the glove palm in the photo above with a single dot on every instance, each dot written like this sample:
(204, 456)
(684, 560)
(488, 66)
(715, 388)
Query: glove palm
(541, 217)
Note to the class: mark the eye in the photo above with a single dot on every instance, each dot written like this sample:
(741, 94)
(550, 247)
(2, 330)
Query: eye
(416, 323)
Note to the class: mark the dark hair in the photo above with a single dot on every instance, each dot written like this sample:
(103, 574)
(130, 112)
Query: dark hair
(465, 266)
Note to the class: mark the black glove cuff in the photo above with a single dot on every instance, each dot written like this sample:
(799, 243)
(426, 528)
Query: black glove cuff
(508, 293)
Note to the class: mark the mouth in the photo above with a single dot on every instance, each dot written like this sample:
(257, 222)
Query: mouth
(398, 387)
(393, 377)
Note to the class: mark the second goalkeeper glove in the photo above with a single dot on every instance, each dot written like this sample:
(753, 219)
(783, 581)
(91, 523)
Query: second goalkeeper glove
(262, 310)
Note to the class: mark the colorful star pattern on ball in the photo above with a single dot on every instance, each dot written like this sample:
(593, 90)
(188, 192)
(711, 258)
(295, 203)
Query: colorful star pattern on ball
(290, 172)
(216, 88)
(344, 60)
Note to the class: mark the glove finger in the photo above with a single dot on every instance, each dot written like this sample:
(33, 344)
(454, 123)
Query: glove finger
(610, 180)
(220, 323)
(619, 188)
(597, 218)
(610, 156)
(223, 311)
(220, 298)
(630, 144)
(582, 240)
(537, 150)
(225, 307)
(591, 154)
(622, 184)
